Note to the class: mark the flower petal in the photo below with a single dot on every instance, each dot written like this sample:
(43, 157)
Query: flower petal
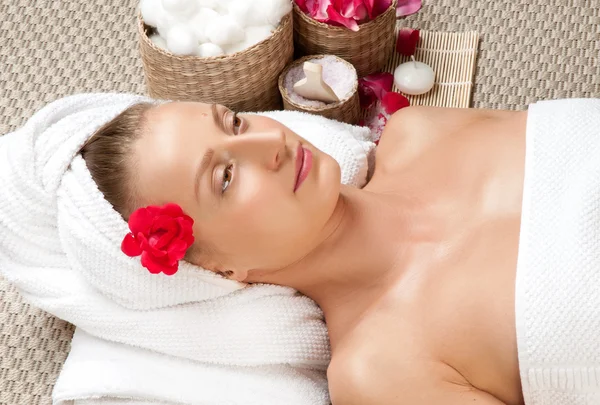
(360, 13)
(169, 271)
(338, 19)
(406, 44)
(176, 250)
(319, 10)
(366, 94)
(156, 266)
(302, 5)
(380, 7)
(172, 210)
(130, 246)
(393, 101)
(369, 5)
(407, 7)
(140, 220)
(380, 83)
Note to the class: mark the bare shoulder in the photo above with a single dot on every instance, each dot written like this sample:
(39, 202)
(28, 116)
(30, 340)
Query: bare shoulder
(411, 130)
(375, 372)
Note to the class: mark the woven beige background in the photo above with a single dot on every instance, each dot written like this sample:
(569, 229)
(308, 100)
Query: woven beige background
(529, 50)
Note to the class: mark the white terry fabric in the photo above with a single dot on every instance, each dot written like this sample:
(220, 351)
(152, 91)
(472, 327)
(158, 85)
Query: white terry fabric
(558, 271)
(107, 372)
(60, 245)
(350, 145)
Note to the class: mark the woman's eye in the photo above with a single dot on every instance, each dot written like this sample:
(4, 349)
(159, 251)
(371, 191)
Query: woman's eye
(227, 177)
(237, 124)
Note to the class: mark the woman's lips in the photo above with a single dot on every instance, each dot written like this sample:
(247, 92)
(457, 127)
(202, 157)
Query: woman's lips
(303, 165)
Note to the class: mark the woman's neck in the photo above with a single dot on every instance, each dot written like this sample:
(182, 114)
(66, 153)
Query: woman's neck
(355, 262)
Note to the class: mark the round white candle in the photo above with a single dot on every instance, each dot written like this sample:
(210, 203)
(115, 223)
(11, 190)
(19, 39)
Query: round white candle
(414, 77)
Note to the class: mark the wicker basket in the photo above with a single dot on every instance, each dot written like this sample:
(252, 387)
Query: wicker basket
(347, 110)
(368, 49)
(244, 81)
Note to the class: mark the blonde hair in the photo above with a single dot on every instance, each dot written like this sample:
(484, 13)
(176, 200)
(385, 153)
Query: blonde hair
(109, 157)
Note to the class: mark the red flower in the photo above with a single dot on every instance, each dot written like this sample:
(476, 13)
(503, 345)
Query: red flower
(161, 235)
(407, 41)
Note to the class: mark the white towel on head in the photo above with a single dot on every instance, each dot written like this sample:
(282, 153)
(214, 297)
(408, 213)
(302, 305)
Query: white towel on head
(60, 245)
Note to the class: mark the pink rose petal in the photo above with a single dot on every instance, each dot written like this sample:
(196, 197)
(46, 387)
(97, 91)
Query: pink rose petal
(336, 17)
(380, 7)
(407, 41)
(393, 101)
(319, 10)
(380, 83)
(366, 94)
(302, 5)
(407, 7)
(369, 5)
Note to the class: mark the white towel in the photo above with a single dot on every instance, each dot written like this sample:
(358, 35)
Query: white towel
(558, 272)
(60, 245)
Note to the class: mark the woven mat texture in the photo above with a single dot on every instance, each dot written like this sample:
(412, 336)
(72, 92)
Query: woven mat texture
(529, 50)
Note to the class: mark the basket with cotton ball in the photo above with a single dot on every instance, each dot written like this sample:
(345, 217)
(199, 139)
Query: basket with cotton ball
(228, 52)
(323, 85)
(359, 31)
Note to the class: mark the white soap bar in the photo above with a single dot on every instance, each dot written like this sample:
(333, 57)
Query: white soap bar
(414, 78)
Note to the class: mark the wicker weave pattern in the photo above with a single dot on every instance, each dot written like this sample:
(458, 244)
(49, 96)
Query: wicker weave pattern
(244, 81)
(368, 49)
(347, 110)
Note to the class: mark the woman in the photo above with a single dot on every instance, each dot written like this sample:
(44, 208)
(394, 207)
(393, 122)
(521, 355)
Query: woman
(415, 272)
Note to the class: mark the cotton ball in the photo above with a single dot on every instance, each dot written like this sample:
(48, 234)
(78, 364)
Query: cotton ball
(181, 40)
(179, 7)
(209, 50)
(200, 21)
(151, 11)
(254, 35)
(244, 13)
(275, 10)
(222, 6)
(158, 41)
(165, 22)
(212, 4)
(225, 31)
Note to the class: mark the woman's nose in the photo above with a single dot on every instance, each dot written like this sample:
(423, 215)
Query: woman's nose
(267, 147)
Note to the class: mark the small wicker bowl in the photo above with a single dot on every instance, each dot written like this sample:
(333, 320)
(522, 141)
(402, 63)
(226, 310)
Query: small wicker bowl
(243, 81)
(368, 49)
(347, 110)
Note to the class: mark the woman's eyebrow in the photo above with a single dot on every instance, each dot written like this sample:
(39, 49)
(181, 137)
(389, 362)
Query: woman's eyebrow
(217, 118)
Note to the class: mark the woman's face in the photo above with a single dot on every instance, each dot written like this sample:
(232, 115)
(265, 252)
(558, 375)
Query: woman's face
(238, 177)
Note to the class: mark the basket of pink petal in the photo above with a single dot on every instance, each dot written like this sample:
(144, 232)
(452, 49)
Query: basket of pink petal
(324, 85)
(360, 31)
